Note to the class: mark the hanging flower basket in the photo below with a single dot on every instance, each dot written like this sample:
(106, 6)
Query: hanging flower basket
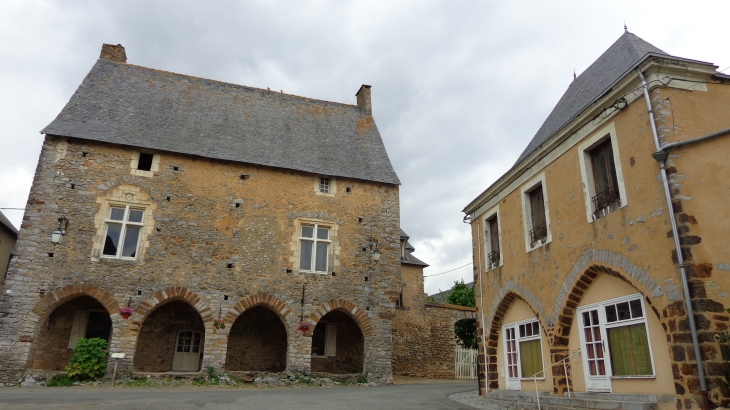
(219, 323)
(304, 327)
(126, 312)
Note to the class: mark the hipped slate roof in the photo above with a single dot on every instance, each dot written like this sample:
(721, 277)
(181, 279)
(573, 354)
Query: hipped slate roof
(409, 258)
(142, 107)
(624, 55)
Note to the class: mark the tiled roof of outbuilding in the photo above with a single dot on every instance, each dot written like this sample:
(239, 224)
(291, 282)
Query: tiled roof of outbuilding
(142, 107)
(624, 55)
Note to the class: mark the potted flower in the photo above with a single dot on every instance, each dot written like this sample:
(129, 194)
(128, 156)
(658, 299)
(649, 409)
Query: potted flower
(304, 326)
(126, 312)
(219, 323)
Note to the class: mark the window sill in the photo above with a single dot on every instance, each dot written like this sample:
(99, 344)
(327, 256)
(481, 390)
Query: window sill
(309, 272)
(632, 377)
(494, 266)
(122, 261)
(540, 244)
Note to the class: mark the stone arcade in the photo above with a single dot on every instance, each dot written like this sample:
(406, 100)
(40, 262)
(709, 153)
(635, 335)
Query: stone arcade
(193, 201)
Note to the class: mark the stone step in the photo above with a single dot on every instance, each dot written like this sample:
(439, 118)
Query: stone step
(580, 401)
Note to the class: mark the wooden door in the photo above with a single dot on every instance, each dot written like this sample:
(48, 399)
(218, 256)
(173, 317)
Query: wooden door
(187, 352)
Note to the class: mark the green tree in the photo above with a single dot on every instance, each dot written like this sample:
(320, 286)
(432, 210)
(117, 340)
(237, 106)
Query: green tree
(89, 360)
(466, 329)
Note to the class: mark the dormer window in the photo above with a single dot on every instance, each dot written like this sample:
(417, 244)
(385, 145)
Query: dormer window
(324, 185)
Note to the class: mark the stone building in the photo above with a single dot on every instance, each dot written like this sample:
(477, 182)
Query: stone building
(193, 201)
(8, 237)
(424, 340)
(575, 247)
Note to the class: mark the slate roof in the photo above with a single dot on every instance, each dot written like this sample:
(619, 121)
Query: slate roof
(624, 55)
(409, 258)
(142, 107)
(6, 222)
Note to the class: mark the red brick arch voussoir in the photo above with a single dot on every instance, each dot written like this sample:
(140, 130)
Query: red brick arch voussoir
(172, 294)
(359, 315)
(50, 301)
(271, 302)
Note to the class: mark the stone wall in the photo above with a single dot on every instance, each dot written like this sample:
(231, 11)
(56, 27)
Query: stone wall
(220, 236)
(423, 332)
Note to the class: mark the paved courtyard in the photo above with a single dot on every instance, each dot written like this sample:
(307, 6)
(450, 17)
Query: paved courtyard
(426, 395)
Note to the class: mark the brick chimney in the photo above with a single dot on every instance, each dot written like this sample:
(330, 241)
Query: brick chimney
(363, 100)
(113, 53)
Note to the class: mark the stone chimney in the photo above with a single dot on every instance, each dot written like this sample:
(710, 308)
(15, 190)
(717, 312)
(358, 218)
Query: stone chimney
(113, 53)
(363, 100)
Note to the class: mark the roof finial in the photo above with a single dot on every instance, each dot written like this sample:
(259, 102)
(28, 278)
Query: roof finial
(626, 29)
(574, 76)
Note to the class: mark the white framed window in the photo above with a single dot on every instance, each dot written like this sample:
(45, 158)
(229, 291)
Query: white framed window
(523, 352)
(314, 248)
(535, 213)
(600, 166)
(325, 185)
(492, 239)
(123, 227)
(616, 342)
(144, 164)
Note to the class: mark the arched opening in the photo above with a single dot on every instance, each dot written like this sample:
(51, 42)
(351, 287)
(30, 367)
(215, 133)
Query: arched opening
(623, 345)
(257, 342)
(465, 331)
(337, 345)
(522, 352)
(171, 339)
(81, 317)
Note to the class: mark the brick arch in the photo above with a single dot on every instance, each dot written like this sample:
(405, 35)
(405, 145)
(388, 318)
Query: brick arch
(358, 315)
(135, 181)
(566, 304)
(275, 304)
(56, 298)
(495, 321)
(175, 293)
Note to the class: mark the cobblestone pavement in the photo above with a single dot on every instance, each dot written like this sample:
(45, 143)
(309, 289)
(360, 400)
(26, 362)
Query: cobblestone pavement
(395, 397)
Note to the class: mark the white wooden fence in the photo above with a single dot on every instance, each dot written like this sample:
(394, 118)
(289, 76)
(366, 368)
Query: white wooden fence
(465, 363)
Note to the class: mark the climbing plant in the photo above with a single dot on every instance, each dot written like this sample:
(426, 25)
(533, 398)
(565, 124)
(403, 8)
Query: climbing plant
(89, 360)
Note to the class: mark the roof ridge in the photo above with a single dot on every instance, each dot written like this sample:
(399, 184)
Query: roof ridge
(225, 83)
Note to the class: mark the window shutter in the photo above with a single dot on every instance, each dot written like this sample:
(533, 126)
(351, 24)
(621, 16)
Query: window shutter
(78, 330)
(330, 343)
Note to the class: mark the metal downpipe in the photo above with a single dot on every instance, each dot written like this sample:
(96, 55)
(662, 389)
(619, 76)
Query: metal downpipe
(661, 157)
(481, 311)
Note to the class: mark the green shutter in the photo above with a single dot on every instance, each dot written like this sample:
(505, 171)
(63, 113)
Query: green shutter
(630, 350)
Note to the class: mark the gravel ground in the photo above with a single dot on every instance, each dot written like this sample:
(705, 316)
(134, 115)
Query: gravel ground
(472, 399)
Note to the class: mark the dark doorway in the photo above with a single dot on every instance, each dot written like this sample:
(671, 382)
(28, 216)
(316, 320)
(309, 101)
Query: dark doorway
(337, 345)
(257, 342)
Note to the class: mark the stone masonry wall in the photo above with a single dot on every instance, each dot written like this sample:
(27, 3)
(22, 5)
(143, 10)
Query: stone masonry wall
(257, 342)
(219, 236)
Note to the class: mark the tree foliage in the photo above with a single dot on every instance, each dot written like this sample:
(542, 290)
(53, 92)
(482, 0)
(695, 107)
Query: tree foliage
(466, 329)
(89, 360)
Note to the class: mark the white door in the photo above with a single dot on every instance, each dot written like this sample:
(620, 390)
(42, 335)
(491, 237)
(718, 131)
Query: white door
(595, 350)
(511, 359)
(187, 352)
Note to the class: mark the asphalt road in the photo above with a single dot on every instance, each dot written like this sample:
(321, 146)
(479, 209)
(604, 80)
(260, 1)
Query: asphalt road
(412, 396)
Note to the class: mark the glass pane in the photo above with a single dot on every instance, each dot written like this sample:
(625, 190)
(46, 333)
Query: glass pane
(535, 328)
(522, 330)
(321, 257)
(130, 241)
(135, 215)
(111, 242)
(307, 231)
(623, 311)
(323, 233)
(594, 317)
(586, 319)
(611, 314)
(636, 309)
(305, 257)
(530, 358)
(592, 366)
(588, 334)
(597, 334)
(116, 214)
(629, 348)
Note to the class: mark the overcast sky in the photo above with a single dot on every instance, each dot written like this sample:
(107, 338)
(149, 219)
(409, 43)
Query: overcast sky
(459, 87)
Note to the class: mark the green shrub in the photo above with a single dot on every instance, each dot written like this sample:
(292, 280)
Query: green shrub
(61, 380)
(362, 378)
(89, 360)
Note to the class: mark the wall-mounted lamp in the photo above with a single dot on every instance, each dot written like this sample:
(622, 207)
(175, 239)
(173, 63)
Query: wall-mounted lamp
(376, 255)
(60, 231)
